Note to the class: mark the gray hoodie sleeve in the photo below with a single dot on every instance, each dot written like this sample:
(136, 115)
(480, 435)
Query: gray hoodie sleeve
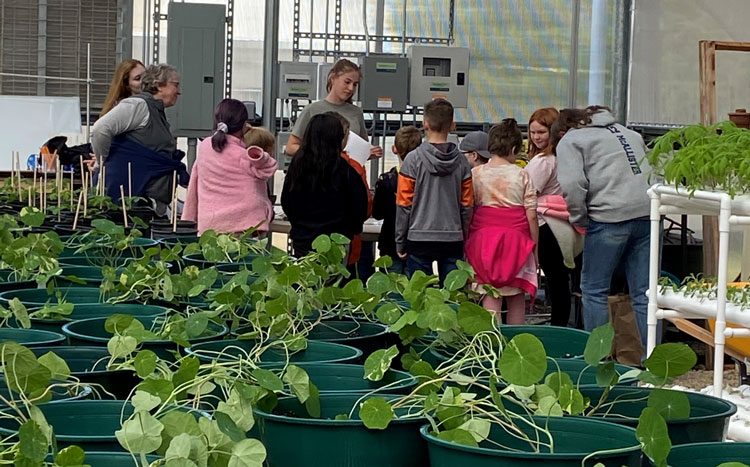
(573, 180)
(128, 115)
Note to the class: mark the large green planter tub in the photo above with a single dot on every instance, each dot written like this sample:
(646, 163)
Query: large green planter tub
(31, 337)
(574, 440)
(559, 342)
(92, 332)
(91, 276)
(110, 459)
(582, 375)
(708, 454)
(340, 378)
(39, 297)
(197, 259)
(136, 250)
(93, 260)
(235, 349)
(709, 416)
(89, 365)
(293, 438)
(8, 281)
(99, 310)
(57, 393)
(367, 337)
(89, 424)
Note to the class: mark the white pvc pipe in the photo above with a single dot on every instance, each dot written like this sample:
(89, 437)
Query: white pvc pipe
(721, 296)
(364, 24)
(736, 332)
(653, 271)
(674, 314)
(598, 52)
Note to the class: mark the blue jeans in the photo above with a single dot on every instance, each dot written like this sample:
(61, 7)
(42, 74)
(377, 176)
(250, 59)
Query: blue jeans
(421, 263)
(608, 245)
(398, 266)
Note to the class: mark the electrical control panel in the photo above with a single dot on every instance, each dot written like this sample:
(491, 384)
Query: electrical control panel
(439, 72)
(195, 46)
(298, 80)
(385, 83)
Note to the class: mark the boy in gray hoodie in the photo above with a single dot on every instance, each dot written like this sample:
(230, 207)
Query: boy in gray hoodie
(604, 178)
(434, 198)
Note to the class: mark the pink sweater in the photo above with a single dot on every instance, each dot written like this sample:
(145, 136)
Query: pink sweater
(227, 191)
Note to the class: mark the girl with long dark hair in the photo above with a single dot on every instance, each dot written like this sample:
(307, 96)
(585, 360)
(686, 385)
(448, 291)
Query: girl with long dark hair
(322, 193)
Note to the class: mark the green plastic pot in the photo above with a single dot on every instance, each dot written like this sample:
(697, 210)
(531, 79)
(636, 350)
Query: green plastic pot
(99, 310)
(179, 239)
(340, 378)
(708, 454)
(31, 337)
(197, 259)
(574, 440)
(365, 336)
(91, 276)
(92, 332)
(8, 282)
(234, 349)
(93, 260)
(708, 421)
(583, 375)
(89, 424)
(136, 250)
(57, 393)
(325, 442)
(89, 365)
(559, 342)
(110, 459)
(32, 298)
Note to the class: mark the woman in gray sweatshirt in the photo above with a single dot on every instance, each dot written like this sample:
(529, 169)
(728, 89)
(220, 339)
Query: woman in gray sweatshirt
(604, 178)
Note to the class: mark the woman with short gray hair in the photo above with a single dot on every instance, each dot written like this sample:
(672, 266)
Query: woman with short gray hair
(136, 132)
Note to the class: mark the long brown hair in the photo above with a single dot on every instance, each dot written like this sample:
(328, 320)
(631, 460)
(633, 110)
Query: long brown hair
(119, 88)
(339, 68)
(545, 117)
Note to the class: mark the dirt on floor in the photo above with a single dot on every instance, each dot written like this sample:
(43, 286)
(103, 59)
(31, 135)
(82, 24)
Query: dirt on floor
(699, 378)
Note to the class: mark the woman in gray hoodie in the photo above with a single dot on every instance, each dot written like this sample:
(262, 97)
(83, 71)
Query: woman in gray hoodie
(604, 178)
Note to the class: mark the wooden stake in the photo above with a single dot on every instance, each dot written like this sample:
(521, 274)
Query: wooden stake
(44, 189)
(85, 189)
(174, 201)
(18, 165)
(58, 183)
(124, 211)
(71, 189)
(13, 170)
(130, 181)
(29, 204)
(78, 210)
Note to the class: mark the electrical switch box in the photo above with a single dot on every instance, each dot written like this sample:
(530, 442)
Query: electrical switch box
(298, 80)
(195, 46)
(439, 72)
(385, 85)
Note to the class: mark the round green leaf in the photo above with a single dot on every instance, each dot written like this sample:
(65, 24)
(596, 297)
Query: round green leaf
(456, 279)
(248, 453)
(70, 456)
(140, 434)
(339, 239)
(458, 436)
(196, 324)
(441, 318)
(57, 367)
(322, 244)
(474, 319)
(671, 359)
(379, 362)
(121, 346)
(376, 413)
(670, 404)
(144, 402)
(653, 435)
(299, 381)
(599, 344)
(145, 363)
(388, 313)
(378, 284)
(524, 360)
(267, 379)
(32, 441)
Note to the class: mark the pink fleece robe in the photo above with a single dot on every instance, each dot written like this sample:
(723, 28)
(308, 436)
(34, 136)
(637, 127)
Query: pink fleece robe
(227, 191)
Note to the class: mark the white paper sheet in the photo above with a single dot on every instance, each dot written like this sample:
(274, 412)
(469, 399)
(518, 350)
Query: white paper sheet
(357, 148)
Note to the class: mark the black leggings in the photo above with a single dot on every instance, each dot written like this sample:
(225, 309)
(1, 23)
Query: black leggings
(557, 275)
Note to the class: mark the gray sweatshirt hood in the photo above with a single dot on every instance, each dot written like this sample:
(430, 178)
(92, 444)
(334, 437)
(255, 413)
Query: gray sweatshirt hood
(445, 158)
(602, 118)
